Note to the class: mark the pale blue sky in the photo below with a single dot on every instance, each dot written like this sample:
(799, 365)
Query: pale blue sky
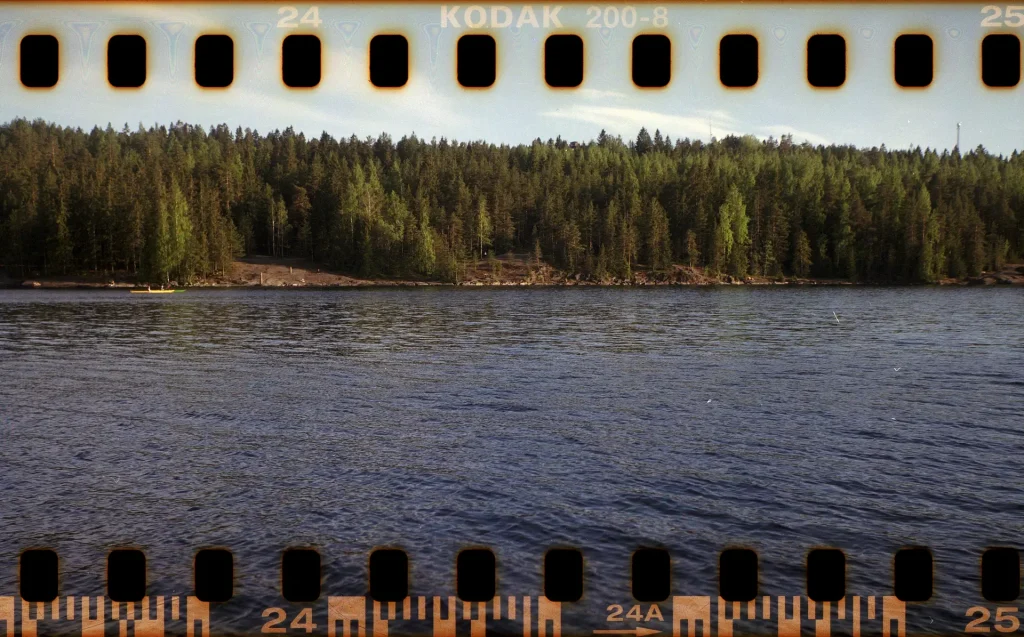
(868, 111)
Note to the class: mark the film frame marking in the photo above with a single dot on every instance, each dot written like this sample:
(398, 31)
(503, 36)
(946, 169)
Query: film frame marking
(535, 616)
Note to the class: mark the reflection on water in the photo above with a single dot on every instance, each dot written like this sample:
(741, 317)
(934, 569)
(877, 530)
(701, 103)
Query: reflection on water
(432, 419)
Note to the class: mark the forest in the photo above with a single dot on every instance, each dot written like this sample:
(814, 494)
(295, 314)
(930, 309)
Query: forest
(182, 202)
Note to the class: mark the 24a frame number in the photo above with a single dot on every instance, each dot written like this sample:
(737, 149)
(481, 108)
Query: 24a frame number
(1006, 620)
(635, 613)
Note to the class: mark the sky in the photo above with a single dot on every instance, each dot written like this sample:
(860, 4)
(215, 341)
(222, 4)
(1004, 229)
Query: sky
(869, 110)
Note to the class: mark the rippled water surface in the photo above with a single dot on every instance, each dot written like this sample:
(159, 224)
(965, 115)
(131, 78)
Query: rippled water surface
(434, 419)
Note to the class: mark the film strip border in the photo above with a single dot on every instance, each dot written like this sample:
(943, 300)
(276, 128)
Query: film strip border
(444, 617)
(476, 575)
(651, 55)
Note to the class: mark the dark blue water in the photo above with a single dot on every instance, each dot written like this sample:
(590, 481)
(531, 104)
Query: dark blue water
(434, 419)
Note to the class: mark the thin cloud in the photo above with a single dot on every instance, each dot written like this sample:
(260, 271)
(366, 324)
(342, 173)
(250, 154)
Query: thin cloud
(418, 105)
(597, 94)
(627, 121)
(717, 116)
(798, 135)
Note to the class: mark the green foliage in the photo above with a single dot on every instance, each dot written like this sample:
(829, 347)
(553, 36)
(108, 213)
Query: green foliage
(802, 255)
(179, 232)
(449, 270)
(692, 251)
(483, 227)
(421, 237)
(184, 201)
(658, 240)
(732, 239)
(59, 252)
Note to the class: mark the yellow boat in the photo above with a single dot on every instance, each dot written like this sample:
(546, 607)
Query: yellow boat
(155, 291)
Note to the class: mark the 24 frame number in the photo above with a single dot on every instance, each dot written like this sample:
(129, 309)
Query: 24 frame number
(302, 621)
(1014, 16)
(288, 15)
(1005, 621)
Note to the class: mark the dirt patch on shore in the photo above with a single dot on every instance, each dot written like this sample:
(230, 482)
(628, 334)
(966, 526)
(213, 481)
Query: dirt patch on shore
(505, 270)
(268, 272)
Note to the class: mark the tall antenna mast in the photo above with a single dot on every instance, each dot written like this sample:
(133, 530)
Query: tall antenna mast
(958, 137)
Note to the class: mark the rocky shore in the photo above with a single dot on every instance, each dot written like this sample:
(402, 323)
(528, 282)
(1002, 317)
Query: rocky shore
(505, 271)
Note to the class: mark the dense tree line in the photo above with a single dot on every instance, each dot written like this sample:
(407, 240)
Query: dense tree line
(181, 202)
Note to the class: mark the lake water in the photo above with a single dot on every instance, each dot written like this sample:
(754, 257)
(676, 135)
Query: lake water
(437, 418)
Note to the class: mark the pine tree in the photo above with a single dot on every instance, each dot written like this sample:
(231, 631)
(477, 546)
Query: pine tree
(725, 237)
(483, 227)
(644, 144)
(739, 229)
(300, 219)
(692, 250)
(802, 255)
(281, 226)
(659, 253)
(59, 252)
(179, 231)
(927, 260)
(161, 252)
(423, 254)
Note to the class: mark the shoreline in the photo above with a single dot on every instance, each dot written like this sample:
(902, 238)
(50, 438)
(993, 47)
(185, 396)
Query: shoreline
(513, 271)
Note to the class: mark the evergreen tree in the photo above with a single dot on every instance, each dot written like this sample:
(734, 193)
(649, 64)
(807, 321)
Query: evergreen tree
(725, 236)
(802, 255)
(483, 227)
(692, 251)
(659, 252)
(736, 216)
(181, 201)
(179, 232)
(644, 144)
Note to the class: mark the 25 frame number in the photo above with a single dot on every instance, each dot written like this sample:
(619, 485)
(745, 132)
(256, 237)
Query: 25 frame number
(1014, 16)
(1006, 620)
(288, 15)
